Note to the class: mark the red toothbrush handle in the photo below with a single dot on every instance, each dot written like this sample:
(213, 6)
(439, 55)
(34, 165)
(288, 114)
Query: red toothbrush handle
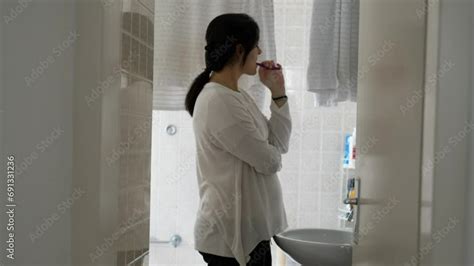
(271, 68)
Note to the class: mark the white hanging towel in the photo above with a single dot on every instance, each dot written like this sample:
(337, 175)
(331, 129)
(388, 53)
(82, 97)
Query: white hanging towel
(180, 28)
(333, 51)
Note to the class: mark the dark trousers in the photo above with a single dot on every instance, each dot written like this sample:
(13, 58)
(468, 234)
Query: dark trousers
(260, 256)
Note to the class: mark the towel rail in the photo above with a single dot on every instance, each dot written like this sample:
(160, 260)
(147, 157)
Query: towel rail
(175, 240)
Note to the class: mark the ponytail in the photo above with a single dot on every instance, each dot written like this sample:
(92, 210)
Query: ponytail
(196, 88)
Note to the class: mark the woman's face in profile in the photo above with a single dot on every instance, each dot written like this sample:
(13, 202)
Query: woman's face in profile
(250, 66)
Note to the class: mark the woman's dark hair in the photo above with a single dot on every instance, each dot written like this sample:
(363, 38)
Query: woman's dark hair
(223, 34)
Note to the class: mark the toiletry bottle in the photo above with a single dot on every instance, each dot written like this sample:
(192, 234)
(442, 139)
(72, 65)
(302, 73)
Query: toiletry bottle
(352, 151)
(352, 193)
(347, 151)
(354, 145)
(349, 187)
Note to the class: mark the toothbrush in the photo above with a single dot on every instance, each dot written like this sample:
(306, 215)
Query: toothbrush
(272, 68)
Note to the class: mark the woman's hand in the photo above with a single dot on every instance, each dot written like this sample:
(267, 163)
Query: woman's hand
(273, 79)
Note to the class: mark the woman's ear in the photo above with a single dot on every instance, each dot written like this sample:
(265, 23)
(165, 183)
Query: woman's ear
(240, 49)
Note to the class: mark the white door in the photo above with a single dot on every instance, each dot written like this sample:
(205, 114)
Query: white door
(389, 130)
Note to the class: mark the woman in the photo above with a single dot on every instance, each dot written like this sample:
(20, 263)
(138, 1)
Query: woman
(238, 148)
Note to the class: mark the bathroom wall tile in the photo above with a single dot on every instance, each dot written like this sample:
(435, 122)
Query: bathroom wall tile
(290, 161)
(151, 32)
(187, 153)
(167, 197)
(188, 189)
(127, 21)
(332, 141)
(161, 254)
(124, 101)
(309, 202)
(132, 97)
(186, 138)
(311, 140)
(140, 101)
(309, 182)
(329, 220)
(126, 50)
(135, 24)
(186, 255)
(332, 120)
(186, 120)
(169, 142)
(349, 107)
(292, 218)
(164, 116)
(311, 162)
(186, 167)
(149, 105)
(331, 161)
(331, 181)
(295, 140)
(134, 55)
(279, 39)
(295, 114)
(311, 120)
(143, 30)
(289, 182)
(149, 65)
(293, 16)
(330, 202)
(186, 221)
(279, 12)
(308, 100)
(349, 122)
(308, 220)
(142, 60)
(295, 3)
(291, 200)
(296, 134)
(293, 58)
(174, 116)
(295, 37)
(168, 164)
(167, 222)
(294, 77)
(295, 100)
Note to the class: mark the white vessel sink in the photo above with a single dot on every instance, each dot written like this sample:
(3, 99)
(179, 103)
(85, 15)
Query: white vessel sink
(317, 247)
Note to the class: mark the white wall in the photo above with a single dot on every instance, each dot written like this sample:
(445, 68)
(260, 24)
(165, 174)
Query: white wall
(31, 113)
